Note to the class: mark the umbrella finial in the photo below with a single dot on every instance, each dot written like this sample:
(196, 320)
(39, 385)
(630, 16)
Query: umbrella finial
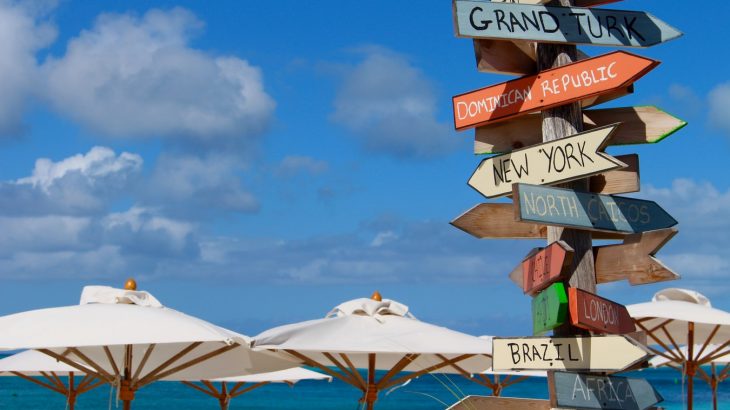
(376, 296)
(130, 284)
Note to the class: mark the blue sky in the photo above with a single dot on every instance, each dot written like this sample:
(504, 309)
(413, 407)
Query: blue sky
(258, 163)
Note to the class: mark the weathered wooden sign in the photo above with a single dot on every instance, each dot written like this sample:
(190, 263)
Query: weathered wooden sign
(549, 309)
(499, 403)
(596, 353)
(589, 391)
(583, 210)
(553, 162)
(551, 24)
(594, 313)
(508, 57)
(497, 221)
(639, 125)
(573, 82)
(618, 181)
(577, 3)
(544, 266)
(634, 259)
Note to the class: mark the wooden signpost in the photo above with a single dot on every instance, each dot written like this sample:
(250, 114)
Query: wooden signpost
(554, 162)
(496, 221)
(639, 125)
(549, 309)
(586, 211)
(588, 391)
(499, 403)
(592, 354)
(573, 82)
(634, 259)
(544, 266)
(594, 313)
(549, 24)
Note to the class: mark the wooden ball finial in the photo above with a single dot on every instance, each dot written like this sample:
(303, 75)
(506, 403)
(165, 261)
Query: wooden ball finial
(376, 296)
(130, 284)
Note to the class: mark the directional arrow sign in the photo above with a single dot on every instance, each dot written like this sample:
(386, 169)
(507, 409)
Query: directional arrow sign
(578, 3)
(589, 391)
(499, 403)
(572, 25)
(583, 210)
(594, 313)
(552, 162)
(573, 82)
(497, 221)
(634, 259)
(508, 57)
(593, 354)
(639, 125)
(544, 266)
(549, 309)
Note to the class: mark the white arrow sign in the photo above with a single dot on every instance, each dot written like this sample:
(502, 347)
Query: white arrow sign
(549, 163)
(591, 354)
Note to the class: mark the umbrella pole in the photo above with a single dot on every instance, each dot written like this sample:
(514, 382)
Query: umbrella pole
(713, 384)
(71, 398)
(690, 365)
(371, 395)
(224, 399)
(126, 393)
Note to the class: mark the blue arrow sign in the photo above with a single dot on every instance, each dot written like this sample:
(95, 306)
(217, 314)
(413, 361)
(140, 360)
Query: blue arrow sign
(584, 210)
(588, 391)
(573, 25)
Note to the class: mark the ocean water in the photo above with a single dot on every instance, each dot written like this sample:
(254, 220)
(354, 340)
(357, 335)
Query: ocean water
(426, 392)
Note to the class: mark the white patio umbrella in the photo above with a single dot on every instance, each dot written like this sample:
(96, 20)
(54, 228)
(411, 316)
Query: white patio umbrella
(244, 384)
(46, 372)
(128, 339)
(377, 334)
(677, 317)
(714, 378)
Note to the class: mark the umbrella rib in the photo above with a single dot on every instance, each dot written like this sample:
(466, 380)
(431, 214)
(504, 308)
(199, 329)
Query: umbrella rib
(717, 353)
(90, 386)
(212, 388)
(101, 375)
(339, 365)
(662, 324)
(57, 380)
(402, 364)
(90, 362)
(198, 388)
(675, 344)
(85, 380)
(236, 387)
(320, 366)
(427, 370)
(354, 371)
(234, 393)
(111, 359)
(151, 378)
(484, 380)
(707, 341)
(39, 382)
(141, 364)
(723, 374)
(187, 349)
(668, 353)
(704, 375)
(513, 381)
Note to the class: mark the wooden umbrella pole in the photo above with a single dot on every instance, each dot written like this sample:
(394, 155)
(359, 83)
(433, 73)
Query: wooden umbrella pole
(371, 394)
(126, 392)
(71, 397)
(690, 364)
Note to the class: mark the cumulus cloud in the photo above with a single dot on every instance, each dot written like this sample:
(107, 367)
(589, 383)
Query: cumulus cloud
(390, 105)
(719, 101)
(144, 231)
(22, 34)
(79, 185)
(138, 76)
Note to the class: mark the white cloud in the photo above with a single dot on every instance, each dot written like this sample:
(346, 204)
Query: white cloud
(146, 231)
(383, 238)
(390, 105)
(719, 101)
(21, 36)
(138, 76)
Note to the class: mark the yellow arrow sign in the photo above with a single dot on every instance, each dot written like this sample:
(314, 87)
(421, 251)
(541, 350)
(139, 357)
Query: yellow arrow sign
(548, 163)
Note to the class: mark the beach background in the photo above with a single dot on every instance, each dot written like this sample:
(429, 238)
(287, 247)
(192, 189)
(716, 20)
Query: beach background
(428, 392)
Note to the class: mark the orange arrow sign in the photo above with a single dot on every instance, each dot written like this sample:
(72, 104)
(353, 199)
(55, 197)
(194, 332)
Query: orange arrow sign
(573, 82)
(634, 259)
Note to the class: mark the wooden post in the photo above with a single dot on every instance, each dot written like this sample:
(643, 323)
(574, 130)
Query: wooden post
(71, 399)
(558, 123)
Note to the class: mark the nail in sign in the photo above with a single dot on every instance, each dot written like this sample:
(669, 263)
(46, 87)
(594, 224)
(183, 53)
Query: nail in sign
(546, 266)
(594, 313)
(569, 83)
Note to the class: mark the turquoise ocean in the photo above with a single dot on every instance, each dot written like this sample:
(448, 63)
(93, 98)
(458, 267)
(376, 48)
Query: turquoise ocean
(426, 392)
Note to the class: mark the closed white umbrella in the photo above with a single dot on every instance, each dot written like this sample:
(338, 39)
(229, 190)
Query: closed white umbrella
(377, 334)
(128, 339)
(677, 317)
(46, 372)
(244, 384)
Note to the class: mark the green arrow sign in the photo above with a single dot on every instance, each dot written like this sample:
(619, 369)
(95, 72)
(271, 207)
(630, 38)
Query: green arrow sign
(573, 25)
(549, 309)
(583, 210)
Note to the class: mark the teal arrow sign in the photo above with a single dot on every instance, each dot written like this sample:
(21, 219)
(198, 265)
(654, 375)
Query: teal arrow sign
(574, 25)
(584, 210)
(588, 391)
(549, 309)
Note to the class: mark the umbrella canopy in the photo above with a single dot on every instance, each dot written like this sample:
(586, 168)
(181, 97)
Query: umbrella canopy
(128, 339)
(46, 372)
(377, 334)
(244, 384)
(677, 317)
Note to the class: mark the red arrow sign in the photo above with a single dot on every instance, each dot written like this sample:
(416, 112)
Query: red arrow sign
(550, 88)
(597, 314)
(541, 269)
